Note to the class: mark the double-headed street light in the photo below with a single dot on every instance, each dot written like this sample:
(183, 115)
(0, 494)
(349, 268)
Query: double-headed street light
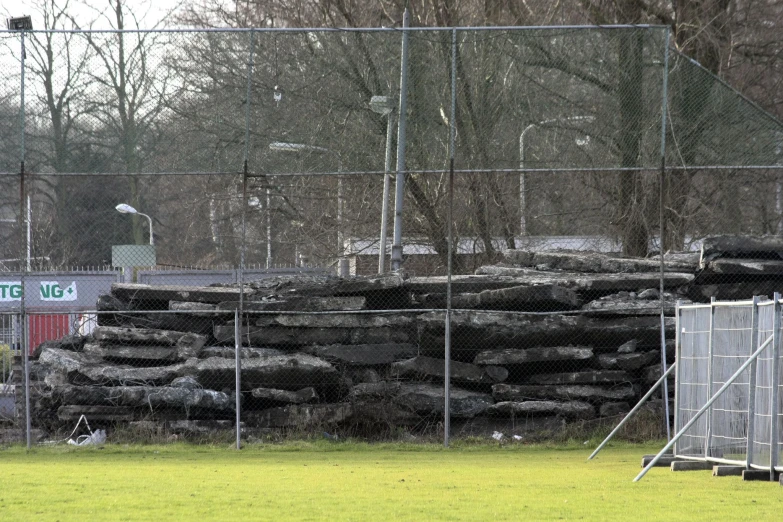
(384, 105)
(522, 189)
(124, 208)
(281, 146)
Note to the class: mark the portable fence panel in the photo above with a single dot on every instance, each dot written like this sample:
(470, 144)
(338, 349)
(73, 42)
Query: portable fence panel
(693, 385)
(763, 415)
(732, 344)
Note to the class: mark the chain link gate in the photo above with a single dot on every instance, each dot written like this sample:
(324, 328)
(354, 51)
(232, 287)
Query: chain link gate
(233, 149)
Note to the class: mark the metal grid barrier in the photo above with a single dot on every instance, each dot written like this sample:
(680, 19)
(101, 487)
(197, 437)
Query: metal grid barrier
(451, 313)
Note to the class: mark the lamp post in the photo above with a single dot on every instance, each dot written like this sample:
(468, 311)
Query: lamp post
(384, 105)
(522, 189)
(124, 208)
(281, 146)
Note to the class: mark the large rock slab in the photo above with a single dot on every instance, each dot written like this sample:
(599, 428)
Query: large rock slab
(510, 356)
(373, 390)
(304, 336)
(590, 377)
(734, 291)
(228, 352)
(62, 366)
(647, 302)
(735, 245)
(729, 266)
(301, 304)
(423, 367)
(586, 282)
(363, 354)
(426, 398)
(628, 361)
(478, 329)
(582, 261)
(144, 354)
(95, 413)
(523, 297)
(140, 293)
(338, 320)
(120, 335)
(301, 416)
(572, 409)
(302, 396)
(286, 372)
(144, 397)
(526, 392)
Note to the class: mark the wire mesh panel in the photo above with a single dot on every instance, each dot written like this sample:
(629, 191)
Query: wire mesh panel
(150, 152)
(692, 374)
(732, 344)
(763, 394)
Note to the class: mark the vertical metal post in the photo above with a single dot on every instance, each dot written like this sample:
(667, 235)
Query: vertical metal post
(677, 357)
(239, 315)
(23, 224)
(447, 347)
(754, 333)
(708, 437)
(396, 258)
(268, 228)
(662, 227)
(775, 403)
(386, 184)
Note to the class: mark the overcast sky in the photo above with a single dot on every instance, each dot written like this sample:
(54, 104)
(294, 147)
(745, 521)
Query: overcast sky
(149, 11)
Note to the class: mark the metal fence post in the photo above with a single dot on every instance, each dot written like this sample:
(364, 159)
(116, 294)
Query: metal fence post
(662, 227)
(708, 437)
(754, 331)
(399, 189)
(775, 403)
(239, 315)
(452, 133)
(677, 353)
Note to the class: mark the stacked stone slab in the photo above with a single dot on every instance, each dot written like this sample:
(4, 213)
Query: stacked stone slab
(555, 335)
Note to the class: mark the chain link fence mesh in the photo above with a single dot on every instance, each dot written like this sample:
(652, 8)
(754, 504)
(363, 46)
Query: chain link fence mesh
(197, 227)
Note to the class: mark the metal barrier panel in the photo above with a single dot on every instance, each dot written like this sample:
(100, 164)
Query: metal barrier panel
(693, 387)
(763, 416)
(732, 344)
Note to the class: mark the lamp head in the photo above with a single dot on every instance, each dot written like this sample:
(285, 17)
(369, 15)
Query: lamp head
(124, 208)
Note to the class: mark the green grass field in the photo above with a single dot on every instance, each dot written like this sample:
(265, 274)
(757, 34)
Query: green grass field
(345, 481)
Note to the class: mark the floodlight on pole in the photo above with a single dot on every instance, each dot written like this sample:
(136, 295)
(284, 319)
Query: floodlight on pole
(21, 23)
(384, 105)
(282, 146)
(522, 182)
(124, 208)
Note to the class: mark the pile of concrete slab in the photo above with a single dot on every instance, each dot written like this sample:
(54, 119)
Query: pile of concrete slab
(541, 339)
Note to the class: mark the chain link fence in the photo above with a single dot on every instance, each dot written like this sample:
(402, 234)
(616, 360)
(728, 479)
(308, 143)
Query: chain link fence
(414, 234)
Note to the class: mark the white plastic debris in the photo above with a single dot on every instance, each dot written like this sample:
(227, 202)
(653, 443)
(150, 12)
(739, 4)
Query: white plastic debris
(497, 436)
(517, 437)
(95, 438)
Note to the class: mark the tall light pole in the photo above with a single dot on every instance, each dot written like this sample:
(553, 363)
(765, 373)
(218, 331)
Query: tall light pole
(384, 105)
(281, 146)
(522, 189)
(123, 208)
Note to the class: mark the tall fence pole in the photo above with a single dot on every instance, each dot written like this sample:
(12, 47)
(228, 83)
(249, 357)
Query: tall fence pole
(23, 251)
(447, 351)
(399, 189)
(662, 227)
(239, 316)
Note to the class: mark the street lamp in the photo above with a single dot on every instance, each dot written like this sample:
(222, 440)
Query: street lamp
(522, 189)
(281, 146)
(124, 208)
(385, 106)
